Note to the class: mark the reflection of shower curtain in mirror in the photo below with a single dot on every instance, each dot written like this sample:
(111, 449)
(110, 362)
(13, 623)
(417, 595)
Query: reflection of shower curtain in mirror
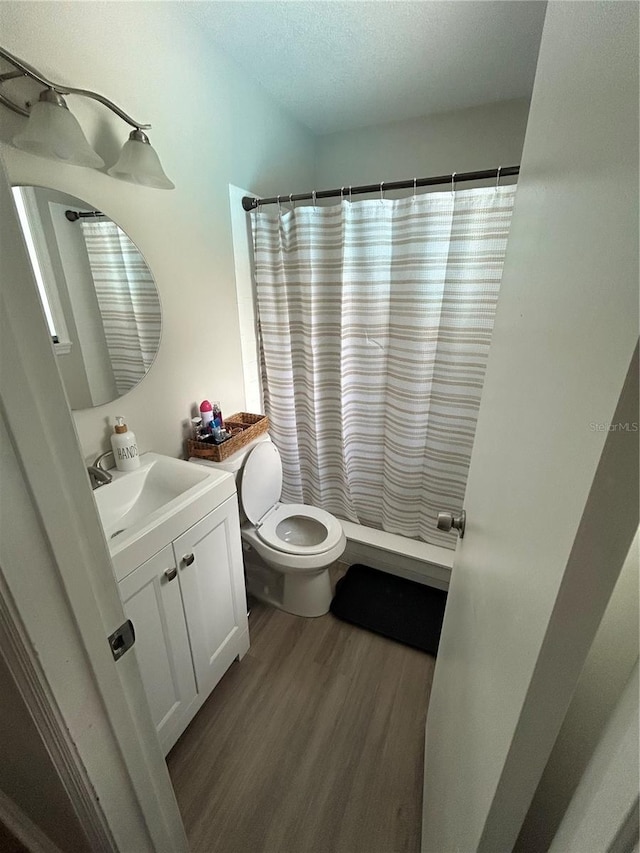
(375, 321)
(128, 301)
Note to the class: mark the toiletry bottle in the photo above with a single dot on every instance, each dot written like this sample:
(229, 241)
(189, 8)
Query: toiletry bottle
(217, 414)
(206, 413)
(125, 447)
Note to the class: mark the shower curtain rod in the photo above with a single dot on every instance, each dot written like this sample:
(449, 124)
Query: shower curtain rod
(74, 215)
(250, 203)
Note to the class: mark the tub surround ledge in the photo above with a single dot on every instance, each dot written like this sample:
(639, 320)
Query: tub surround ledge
(409, 558)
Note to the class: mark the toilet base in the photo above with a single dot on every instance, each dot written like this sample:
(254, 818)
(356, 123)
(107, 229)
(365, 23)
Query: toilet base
(307, 594)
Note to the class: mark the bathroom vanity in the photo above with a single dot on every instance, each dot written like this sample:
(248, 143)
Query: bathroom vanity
(174, 537)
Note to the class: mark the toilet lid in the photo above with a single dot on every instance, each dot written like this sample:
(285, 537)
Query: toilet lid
(261, 481)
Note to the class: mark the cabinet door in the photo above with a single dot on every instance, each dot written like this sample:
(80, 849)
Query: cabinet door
(152, 600)
(209, 559)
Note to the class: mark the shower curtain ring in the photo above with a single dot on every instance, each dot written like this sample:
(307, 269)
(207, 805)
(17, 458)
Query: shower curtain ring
(498, 177)
(350, 200)
(453, 183)
(381, 191)
(292, 202)
(279, 207)
(313, 197)
(415, 181)
(341, 194)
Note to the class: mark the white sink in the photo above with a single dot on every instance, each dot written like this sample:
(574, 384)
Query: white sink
(142, 511)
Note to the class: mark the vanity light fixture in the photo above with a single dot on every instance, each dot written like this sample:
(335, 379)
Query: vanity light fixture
(53, 131)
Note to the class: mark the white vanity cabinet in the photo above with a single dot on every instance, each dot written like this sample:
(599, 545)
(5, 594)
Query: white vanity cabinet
(209, 559)
(188, 607)
(152, 600)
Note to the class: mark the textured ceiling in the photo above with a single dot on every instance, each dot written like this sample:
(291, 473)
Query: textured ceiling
(337, 65)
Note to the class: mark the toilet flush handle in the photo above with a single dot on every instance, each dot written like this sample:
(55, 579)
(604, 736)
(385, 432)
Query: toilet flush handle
(447, 520)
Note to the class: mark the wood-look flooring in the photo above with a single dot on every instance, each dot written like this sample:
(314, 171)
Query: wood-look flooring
(313, 743)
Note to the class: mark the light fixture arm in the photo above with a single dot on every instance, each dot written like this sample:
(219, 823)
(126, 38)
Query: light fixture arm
(24, 69)
(9, 103)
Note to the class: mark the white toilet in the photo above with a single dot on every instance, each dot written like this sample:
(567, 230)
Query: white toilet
(297, 543)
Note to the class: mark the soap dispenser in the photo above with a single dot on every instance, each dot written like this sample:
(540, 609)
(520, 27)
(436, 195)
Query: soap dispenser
(125, 447)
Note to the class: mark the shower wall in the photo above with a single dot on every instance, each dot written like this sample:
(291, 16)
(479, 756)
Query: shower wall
(458, 141)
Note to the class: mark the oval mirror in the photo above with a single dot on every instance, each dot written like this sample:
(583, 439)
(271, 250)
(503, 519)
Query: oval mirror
(98, 293)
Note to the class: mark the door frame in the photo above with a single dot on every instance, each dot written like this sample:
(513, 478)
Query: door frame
(91, 711)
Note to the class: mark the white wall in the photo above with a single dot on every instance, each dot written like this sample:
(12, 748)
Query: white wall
(459, 141)
(608, 667)
(211, 127)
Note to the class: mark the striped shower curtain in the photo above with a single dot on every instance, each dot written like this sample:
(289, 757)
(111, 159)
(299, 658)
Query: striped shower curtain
(375, 321)
(128, 301)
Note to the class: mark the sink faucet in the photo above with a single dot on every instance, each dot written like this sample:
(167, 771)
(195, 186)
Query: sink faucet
(99, 459)
(98, 477)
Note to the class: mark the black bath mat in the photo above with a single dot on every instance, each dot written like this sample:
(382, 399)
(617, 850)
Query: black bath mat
(402, 610)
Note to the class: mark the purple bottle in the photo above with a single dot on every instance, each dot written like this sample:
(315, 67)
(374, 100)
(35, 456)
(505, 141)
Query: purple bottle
(217, 415)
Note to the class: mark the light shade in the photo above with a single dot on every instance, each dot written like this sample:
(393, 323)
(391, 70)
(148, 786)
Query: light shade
(53, 131)
(139, 164)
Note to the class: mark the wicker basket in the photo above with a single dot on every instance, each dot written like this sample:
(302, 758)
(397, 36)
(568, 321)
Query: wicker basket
(252, 426)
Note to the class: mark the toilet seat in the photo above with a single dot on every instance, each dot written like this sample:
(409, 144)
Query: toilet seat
(260, 496)
(270, 528)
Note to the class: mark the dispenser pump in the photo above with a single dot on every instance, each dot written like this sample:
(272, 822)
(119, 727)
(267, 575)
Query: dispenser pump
(120, 425)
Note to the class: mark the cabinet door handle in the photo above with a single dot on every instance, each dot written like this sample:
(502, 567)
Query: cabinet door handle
(188, 559)
(170, 573)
